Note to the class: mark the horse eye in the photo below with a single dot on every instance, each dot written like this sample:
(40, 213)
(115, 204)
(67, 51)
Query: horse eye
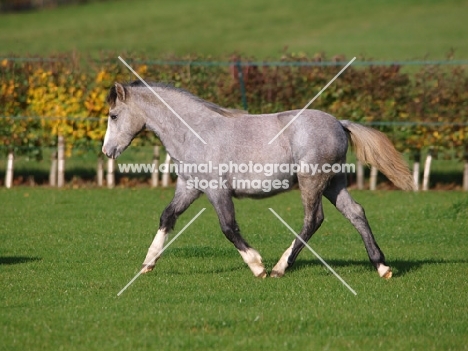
(113, 117)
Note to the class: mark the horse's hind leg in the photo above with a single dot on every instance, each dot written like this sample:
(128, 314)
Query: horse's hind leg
(339, 196)
(311, 194)
(183, 198)
(222, 202)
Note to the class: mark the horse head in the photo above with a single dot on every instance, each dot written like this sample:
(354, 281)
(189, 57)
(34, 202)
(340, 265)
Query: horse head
(125, 121)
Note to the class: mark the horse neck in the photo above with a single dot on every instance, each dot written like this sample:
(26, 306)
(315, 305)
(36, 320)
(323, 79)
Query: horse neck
(173, 132)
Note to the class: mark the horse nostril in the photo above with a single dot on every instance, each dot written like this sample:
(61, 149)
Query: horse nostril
(103, 150)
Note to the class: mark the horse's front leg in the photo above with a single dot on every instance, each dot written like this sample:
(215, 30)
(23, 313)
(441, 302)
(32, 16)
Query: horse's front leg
(183, 198)
(224, 207)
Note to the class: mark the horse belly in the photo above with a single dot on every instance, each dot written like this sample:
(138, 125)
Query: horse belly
(261, 186)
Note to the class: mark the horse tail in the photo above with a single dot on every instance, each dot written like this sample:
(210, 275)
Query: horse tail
(374, 148)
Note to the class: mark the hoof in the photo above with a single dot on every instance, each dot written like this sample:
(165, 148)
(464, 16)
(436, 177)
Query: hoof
(384, 271)
(276, 274)
(262, 275)
(145, 268)
(388, 274)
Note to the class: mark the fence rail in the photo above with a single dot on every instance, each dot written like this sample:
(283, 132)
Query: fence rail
(247, 63)
(370, 123)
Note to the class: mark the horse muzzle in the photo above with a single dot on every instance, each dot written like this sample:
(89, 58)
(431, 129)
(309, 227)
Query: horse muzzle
(113, 153)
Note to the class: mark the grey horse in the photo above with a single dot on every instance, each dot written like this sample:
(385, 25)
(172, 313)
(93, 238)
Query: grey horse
(235, 138)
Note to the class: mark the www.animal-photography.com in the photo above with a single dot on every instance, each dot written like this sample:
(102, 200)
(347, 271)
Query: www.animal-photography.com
(250, 175)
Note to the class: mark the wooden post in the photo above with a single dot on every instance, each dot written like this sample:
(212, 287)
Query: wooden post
(9, 170)
(100, 171)
(416, 164)
(110, 173)
(240, 75)
(427, 171)
(53, 169)
(155, 174)
(166, 175)
(61, 162)
(373, 178)
(360, 175)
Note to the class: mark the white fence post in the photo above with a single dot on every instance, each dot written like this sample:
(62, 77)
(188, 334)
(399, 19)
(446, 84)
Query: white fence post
(360, 175)
(61, 162)
(373, 178)
(427, 171)
(155, 174)
(53, 169)
(9, 170)
(100, 171)
(166, 175)
(110, 173)
(416, 165)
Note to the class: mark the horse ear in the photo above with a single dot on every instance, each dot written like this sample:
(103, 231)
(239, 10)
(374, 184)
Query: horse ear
(121, 92)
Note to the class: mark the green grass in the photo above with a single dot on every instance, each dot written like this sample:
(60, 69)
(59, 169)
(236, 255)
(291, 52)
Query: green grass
(66, 254)
(379, 29)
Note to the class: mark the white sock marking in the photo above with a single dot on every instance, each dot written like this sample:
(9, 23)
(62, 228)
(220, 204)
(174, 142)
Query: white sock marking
(164, 248)
(254, 260)
(154, 250)
(313, 251)
(282, 264)
(382, 270)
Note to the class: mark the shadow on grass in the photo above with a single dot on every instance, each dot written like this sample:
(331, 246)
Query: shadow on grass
(205, 252)
(215, 270)
(9, 260)
(201, 252)
(399, 267)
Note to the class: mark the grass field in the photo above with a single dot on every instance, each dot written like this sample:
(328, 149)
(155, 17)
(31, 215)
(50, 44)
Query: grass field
(379, 29)
(66, 254)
